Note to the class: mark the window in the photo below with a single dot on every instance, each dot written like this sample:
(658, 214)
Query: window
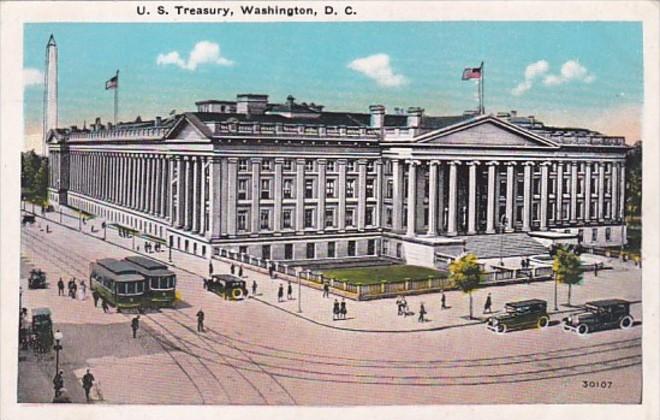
(386, 247)
(311, 251)
(309, 165)
(329, 218)
(309, 218)
(331, 250)
(330, 188)
(331, 166)
(370, 188)
(350, 166)
(399, 250)
(502, 188)
(286, 219)
(537, 187)
(242, 220)
(264, 218)
(242, 249)
(580, 186)
(309, 188)
(371, 246)
(370, 166)
(242, 164)
(265, 252)
(288, 251)
(242, 189)
(369, 216)
(351, 248)
(594, 234)
(520, 187)
(267, 165)
(608, 234)
(265, 189)
(287, 189)
(287, 165)
(350, 188)
(388, 216)
(349, 217)
(389, 189)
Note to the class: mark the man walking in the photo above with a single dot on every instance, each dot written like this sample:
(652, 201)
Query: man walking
(335, 310)
(422, 312)
(289, 292)
(87, 383)
(104, 305)
(326, 289)
(200, 321)
(443, 300)
(240, 271)
(135, 324)
(60, 287)
(280, 293)
(488, 305)
(58, 382)
(254, 287)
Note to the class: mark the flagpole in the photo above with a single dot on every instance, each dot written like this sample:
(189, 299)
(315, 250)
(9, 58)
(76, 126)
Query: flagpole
(116, 97)
(481, 88)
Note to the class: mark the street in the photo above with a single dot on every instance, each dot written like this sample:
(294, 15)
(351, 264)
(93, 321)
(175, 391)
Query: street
(259, 352)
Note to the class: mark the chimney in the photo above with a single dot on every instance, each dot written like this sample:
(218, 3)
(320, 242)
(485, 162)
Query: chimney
(532, 120)
(97, 124)
(415, 117)
(158, 121)
(377, 116)
(514, 113)
(249, 103)
(109, 125)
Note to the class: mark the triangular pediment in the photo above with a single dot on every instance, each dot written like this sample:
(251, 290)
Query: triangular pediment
(487, 131)
(189, 128)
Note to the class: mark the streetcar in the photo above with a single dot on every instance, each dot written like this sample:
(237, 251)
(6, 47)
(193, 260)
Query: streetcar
(118, 282)
(227, 285)
(160, 282)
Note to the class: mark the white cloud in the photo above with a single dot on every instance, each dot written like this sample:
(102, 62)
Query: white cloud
(532, 71)
(32, 77)
(204, 52)
(378, 68)
(570, 70)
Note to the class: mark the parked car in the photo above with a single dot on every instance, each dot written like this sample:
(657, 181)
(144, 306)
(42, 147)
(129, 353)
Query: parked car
(37, 279)
(520, 315)
(28, 218)
(599, 315)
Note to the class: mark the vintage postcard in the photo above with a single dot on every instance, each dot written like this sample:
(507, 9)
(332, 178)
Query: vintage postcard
(428, 209)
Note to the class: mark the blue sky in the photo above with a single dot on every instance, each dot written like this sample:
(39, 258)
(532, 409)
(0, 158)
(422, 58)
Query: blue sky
(587, 74)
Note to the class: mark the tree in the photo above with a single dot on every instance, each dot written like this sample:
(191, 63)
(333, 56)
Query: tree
(567, 268)
(41, 182)
(465, 272)
(634, 180)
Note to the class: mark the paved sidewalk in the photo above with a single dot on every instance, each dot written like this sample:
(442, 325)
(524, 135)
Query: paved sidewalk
(623, 281)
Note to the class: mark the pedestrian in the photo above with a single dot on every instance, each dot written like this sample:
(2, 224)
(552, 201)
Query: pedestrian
(58, 382)
(596, 270)
(280, 293)
(422, 312)
(74, 289)
(87, 383)
(47, 229)
(83, 290)
(289, 291)
(95, 296)
(240, 271)
(335, 310)
(406, 309)
(443, 300)
(232, 269)
(254, 287)
(104, 305)
(135, 324)
(206, 283)
(271, 270)
(60, 287)
(488, 305)
(342, 309)
(69, 285)
(200, 321)
(399, 305)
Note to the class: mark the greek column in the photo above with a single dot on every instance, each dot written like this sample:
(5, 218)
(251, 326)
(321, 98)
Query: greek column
(559, 209)
(277, 197)
(451, 214)
(615, 193)
(601, 192)
(341, 217)
(256, 194)
(472, 198)
(320, 211)
(214, 197)
(544, 196)
(300, 195)
(574, 182)
(378, 193)
(231, 196)
(195, 199)
(527, 195)
(622, 191)
(587, 192)
(490, 210)
(362, 193)
(433, 198)
(510, 166)
(412, 198)
(397, 196)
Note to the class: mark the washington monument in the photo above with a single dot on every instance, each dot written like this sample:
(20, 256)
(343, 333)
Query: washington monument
(50, 91)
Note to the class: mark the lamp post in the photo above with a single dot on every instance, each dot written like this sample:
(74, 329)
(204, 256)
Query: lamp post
(57, 347)
(20, 299)
(60, 208)
(79, 221)
(503, 222)
(105, 229)
(299, 290)
(556, 307)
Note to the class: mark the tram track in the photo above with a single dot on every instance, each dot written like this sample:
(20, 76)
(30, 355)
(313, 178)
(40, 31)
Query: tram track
(279, 371)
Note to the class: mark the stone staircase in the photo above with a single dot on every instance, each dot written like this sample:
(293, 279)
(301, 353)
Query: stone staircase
(512, 245)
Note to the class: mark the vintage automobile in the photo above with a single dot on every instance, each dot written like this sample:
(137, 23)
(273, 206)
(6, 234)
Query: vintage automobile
(227, 285)
(42, 330)
(599, 315)
(27, 218)
(37, 279)
(520, 315)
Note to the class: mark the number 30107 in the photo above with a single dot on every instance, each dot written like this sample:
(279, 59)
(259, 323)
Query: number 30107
(597, 384)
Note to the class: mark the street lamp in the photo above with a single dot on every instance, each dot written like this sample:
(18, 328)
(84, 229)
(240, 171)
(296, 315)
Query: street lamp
(79, 220)
(299, 290)
(556, 307)
(503, 222)
(105, 229)
(57, 347)
(20, 299)
(60, 214)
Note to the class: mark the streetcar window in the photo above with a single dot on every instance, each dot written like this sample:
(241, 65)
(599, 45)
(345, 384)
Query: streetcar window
(154, 283)
(140, 287)
(121, 288)
(130, 288)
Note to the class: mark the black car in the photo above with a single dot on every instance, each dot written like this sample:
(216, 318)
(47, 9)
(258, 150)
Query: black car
(37, 279)
(519, 315)
(227, 285)
(600, 315)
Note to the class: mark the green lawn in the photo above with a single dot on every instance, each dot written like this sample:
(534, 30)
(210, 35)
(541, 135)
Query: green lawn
(378, 274)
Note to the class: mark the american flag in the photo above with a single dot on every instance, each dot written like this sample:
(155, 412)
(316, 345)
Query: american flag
(113, 83)
(471, 73)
